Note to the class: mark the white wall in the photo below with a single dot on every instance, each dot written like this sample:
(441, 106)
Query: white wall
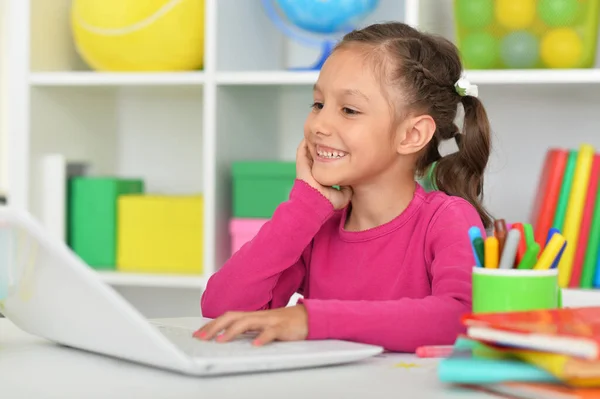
(3, 99)
(158, 142)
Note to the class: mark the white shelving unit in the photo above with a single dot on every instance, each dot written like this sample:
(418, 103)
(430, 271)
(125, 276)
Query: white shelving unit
(152, 280)
(3, 96)
(180, 131)
(88, 79)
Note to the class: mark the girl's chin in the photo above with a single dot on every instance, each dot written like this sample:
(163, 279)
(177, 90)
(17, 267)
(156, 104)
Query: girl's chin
(327, 181)
(329, 176)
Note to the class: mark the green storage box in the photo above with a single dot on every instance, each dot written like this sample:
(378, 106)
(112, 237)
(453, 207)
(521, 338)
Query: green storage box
(92, 217)
(260, 186)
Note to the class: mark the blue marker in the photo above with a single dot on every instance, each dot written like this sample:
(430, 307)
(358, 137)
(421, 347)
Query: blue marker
(557, 260)
(551, 233)
(474, 233)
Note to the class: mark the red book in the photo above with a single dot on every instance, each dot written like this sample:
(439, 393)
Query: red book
(547, 193)
(569, 331)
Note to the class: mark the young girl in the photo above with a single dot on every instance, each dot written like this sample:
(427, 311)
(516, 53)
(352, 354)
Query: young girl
(380, 261)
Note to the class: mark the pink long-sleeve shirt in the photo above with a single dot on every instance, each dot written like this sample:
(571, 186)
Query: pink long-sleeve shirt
(399, 285)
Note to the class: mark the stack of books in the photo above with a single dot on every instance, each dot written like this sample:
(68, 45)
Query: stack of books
(529, 354)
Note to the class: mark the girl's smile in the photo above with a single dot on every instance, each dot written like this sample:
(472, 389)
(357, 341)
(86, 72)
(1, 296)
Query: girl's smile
(328, 154)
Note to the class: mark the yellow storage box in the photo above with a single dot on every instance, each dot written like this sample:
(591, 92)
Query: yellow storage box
(160, 234)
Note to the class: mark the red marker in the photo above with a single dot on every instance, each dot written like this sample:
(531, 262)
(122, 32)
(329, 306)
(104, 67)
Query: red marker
(434, 351)
(522, 242)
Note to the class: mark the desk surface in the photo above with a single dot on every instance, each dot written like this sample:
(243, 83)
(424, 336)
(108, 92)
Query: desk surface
(31, 367)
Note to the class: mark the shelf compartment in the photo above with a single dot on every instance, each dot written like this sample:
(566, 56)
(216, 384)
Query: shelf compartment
(152, 280)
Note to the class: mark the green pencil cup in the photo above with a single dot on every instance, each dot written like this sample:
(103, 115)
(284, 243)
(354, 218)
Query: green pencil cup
(512, 290)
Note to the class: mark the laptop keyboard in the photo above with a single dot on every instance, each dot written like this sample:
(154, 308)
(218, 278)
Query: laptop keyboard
(241, 346)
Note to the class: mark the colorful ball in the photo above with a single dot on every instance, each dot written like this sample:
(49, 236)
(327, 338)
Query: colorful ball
(480, 51)
(520, 50)
(474, 14)
(561, 48)
(558, 13)
(133, 35)
(515, 14)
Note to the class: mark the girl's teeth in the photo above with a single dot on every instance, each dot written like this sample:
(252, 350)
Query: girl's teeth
(333, 154)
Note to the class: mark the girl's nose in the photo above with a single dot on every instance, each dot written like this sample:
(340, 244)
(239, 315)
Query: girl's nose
(323, 132)
(322, 125)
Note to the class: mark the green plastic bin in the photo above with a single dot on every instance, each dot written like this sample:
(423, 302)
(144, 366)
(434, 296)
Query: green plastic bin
(92, 217)
(260, 186)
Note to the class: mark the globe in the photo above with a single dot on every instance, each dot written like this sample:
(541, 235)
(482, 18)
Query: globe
(318, 22)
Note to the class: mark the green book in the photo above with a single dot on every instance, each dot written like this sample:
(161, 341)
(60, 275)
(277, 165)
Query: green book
(565, 191)
(92, 217)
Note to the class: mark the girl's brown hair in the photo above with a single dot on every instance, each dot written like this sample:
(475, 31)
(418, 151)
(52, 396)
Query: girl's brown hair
(425, 69)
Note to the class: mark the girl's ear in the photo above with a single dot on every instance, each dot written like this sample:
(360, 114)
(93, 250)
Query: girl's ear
(414, 134)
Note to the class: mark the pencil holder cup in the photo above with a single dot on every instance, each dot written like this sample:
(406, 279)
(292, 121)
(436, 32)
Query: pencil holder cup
(513, 290)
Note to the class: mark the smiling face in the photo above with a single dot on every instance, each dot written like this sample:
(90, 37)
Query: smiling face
(350, 131)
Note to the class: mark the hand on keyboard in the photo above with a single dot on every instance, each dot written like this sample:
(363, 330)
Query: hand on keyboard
(285, 324)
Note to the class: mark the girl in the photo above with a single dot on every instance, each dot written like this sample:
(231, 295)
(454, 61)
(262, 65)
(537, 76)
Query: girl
(380, 261)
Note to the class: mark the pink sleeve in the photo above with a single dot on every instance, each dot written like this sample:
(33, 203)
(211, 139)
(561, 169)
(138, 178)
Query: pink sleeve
(403, 325)
(268, 270)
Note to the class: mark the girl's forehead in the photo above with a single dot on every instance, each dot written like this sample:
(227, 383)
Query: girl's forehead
(355, 70)
(349, 67)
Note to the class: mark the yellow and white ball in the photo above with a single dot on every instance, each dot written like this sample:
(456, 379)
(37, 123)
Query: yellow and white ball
(139, 35)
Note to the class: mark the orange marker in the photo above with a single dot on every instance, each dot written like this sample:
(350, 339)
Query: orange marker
(500, 233)
(491, 253)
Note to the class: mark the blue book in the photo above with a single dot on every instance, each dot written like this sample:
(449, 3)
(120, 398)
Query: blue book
(596, 283)
(473, 363)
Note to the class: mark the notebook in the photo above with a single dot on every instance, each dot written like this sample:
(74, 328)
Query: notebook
(568, 331)
(531, 390)
(471, 363)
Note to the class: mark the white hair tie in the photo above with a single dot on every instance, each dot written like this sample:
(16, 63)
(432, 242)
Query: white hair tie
(464, 88)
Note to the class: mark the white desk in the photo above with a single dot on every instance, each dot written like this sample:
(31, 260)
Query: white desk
(31, 367)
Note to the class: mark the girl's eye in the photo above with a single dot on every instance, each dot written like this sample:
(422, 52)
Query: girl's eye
(316, 106)
(350, 111)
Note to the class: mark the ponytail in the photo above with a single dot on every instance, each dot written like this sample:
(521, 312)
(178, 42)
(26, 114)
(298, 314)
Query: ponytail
(461, 173)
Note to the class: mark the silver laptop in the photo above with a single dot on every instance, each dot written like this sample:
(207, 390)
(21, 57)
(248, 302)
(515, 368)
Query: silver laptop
(46, 290)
